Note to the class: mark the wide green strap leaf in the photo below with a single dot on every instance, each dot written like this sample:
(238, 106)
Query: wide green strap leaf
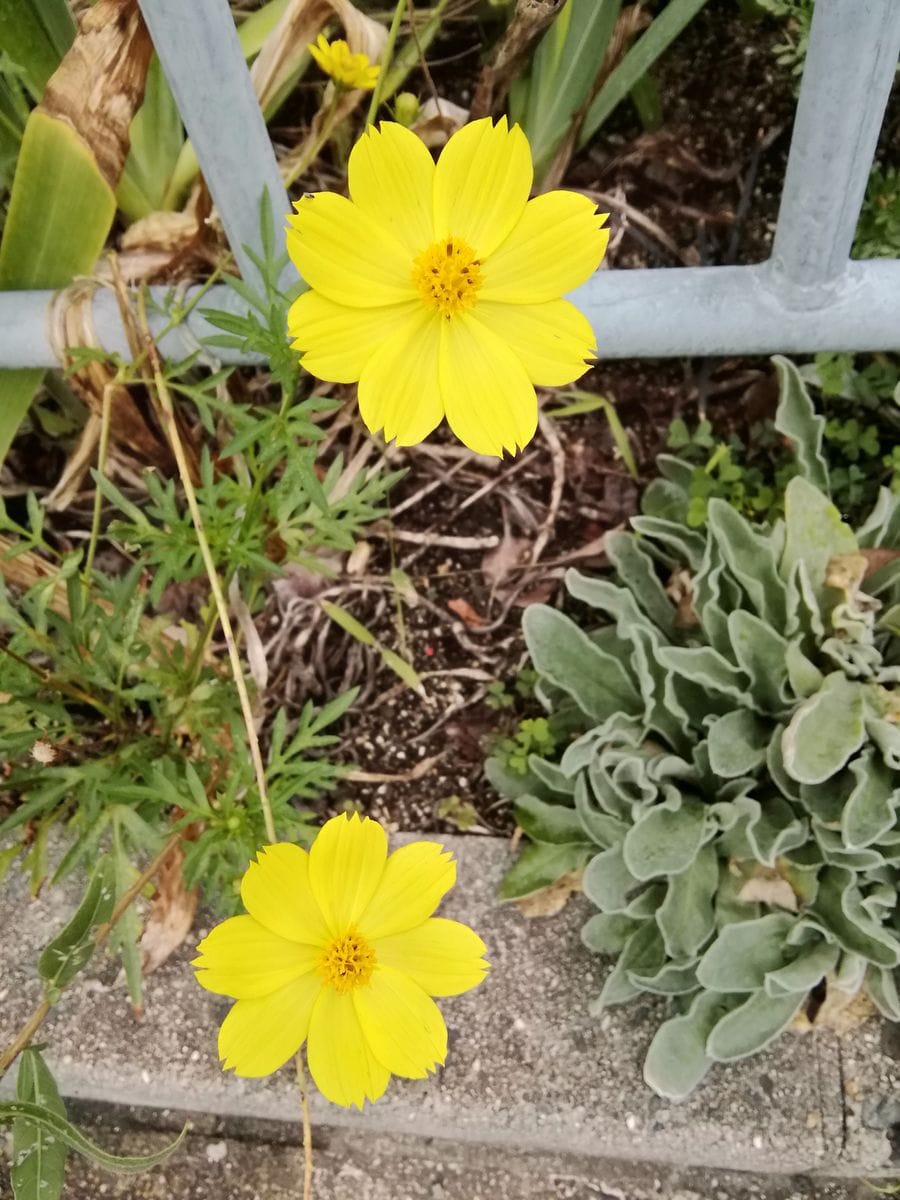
(677, 1058)
(825, 731)
(566, 656)
(539, 865)
(750, 1027)
(156, 140)
(798, 420)
(744, 953)
(554, 823)
(65, 1131)
(638, 61)
(38, 1167)
(36, 34)
(60, 213)
(686, 917)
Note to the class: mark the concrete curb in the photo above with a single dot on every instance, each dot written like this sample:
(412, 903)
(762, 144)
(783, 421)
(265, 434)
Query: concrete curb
(528, 1069)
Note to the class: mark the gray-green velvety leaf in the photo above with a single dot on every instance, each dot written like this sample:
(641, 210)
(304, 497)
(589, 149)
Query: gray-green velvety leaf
(815, 534)
(804, 972)
(38, 1165)
(749, 556)
(677, 1058)
(686, 545)
(607, 881)
(882, 526)
(644, 953)
(760, 652)
(566, 656)
(539, 865)
(744, 953)
(886, 736)
(686, 917)
(870, 810)
(676, 471)
(664, 841)
(672, 979)
(773, 829)
(737, 743)
(637, 571)
(825, 731)
(601, 827)
(804, 612)
(883, 988)
(804, 676)
(840, 907)
(788, 787)
(666, 500)
(554, 779)
(510, 784)
(798, 420)
(751, 1026)
(607, 933)
(555, 823)
(707, 668)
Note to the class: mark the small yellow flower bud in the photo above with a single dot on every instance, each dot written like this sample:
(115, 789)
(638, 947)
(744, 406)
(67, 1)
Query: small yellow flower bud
(406, 109)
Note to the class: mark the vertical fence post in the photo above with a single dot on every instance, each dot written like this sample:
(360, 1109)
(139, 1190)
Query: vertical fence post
(850, 64)
(201, 56)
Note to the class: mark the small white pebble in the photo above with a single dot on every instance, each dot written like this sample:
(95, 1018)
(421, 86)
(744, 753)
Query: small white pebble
(631, 1122)
(216, 1151)
(757, 1142)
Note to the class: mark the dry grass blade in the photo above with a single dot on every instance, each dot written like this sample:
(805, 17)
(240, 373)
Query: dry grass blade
(529, 21)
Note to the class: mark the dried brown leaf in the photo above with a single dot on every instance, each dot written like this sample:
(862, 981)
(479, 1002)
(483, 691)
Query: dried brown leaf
(172, 912)
(462, 608)
(510, 553)
(553, 899)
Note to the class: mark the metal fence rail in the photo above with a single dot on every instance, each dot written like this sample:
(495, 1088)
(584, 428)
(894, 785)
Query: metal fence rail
(808, 296)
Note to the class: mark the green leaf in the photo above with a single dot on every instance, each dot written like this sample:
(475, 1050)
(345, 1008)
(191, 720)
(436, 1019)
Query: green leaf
(566, 656)
(752, 1025)
(737, 744)
(804, 972)
(686, 917)
(553, 823)
(798, 420)
(638, 61)
(36, 34)
(637, 571)
(607, 881)
(643, 954)
(825, 731)
(761, 652)
(744, 952)
(750, 558)
(72, 948)
(665, 840)
(539, 865)
(607, 933)
(405, 670)
(815, 533)
(56, 1125)
(870, 810)
(37, 1170)
(677, 1058)
(840, 905)
(883, 988)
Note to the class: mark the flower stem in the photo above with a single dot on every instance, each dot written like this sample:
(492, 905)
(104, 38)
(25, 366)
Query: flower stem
(385, 63)
(102, 450)
(293, 169)
(167, 413)
(307, 1127)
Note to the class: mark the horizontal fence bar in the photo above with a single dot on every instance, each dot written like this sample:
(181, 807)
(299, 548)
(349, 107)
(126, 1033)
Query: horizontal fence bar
(850, 65)
(665, 313)
(198, 47)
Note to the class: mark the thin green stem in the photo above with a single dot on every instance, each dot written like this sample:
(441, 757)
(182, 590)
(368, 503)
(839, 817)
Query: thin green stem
(399, 10)
(309, 153)
(307, 1127)
(102, 451)
(167, 412)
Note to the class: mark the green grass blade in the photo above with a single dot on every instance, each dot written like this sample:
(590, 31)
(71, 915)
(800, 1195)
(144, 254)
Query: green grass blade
(60, 213)
(36, 34)
(638, 61)
(157, 136)
(563, 72)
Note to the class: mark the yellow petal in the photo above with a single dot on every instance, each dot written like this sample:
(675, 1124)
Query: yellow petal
(341, 1063)
(488, 398)
(415, 880)
(337, 341)
(346, 255)
(391, 176)
(346, 864)
(275, 890)
(552, 339)
(259, 1036)
(402, 1024)
(481, 184)
(554, 248)
(443, 957)
(399, 388)
(242, 958)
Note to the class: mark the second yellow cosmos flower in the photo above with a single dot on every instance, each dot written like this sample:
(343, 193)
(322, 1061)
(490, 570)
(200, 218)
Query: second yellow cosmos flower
(339, 950)
(438, 286)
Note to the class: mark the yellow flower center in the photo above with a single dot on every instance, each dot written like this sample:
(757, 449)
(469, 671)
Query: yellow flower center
(447, 276)
(346, 963)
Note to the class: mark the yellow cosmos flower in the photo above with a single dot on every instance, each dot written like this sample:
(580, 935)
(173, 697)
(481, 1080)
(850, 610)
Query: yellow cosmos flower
(437, 286)
(339, 949)
(345, 68)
